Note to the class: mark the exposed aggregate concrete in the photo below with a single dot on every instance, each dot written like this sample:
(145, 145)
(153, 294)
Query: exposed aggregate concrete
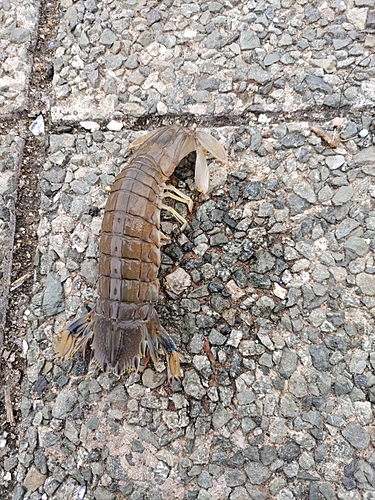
(269, 293)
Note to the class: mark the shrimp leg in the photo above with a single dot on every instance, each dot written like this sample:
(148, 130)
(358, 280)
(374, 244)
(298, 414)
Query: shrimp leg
(176, 215)
(182, 197)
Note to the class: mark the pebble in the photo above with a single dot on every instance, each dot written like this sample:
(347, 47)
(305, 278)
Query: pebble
(114, 126)
(335, 161)
(53, 301)
(178, 281)
(257, 473)
(192, 385)
(34, 479)
(366, 283)
(90, 125)
(153, 379)
(356, 436)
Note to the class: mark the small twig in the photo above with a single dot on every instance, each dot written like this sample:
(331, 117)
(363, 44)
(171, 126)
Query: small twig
(8, 406)
(207, 350)
(20, 281)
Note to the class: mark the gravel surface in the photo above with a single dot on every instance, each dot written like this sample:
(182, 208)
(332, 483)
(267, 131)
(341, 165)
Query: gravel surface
(269, 293)
(18, 33)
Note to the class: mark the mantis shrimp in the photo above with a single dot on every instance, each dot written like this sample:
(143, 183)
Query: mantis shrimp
(124, 325)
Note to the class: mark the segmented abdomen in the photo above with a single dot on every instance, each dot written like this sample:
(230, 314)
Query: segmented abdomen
(130, 242)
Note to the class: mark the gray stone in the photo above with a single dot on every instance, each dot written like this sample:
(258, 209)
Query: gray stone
(10, 462)
(19, 35)
(64, 404)
(268, 455)
(346, 227)
(305, 191)
(297, 205)
(214, 40)
(94, 78)
(145, 38)
(103, 494)
(239, 493)
(218, 239)
(311, 15)
(257, 473)
(216, 338)
(342, 385)
(343, 195)
(288, 363)
(245, 397)
(356, 435)
(258, 74)
(341, 451)
(80, 187)
(293, 141)
(357, 245)
(192, 385)
(234, 478)
(266, 209)
(201, 96)
(237, 460)
(271, 59)
(204, 480)
(317, 83)
(366, 283)
(264, 263)
(288, 407)
(46, 437)
(335, 161)
(365, 157)
(50, 485)
(263, 307)
(93, 423)
(209, 84)
(89, 271)
(153, 17)
(253, 191)
(108, 38)
(188, 9)
(53, 300)
(249, 40)
(115, 469)
(201, 454)
(358, 362)
(219, 303)
(289, 451)
(297, 385)
(285, 39)
(220, 417)
(320, 273)
(114, 62)
(320, 356)
(40, 459)
(132, 62)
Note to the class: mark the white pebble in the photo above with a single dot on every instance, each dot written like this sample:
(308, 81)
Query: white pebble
(162, 108)
(363, 133)
(37, 127)
(114, 126)
(92, 126)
